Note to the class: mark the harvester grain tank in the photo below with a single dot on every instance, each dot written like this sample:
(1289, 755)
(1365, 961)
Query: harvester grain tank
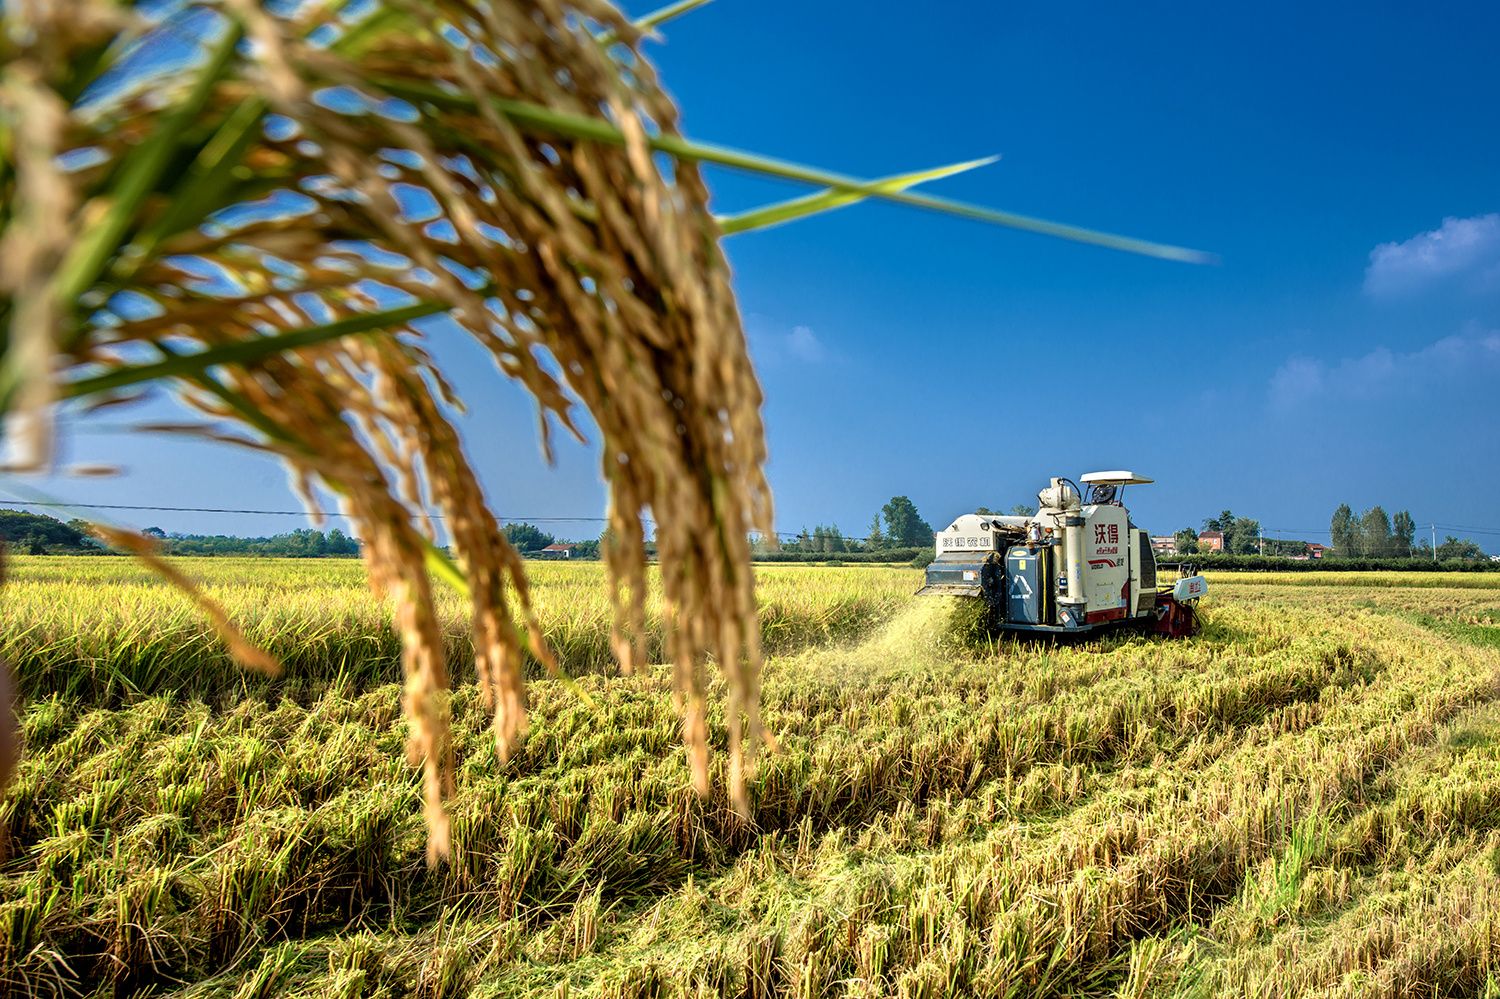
(1076, 565)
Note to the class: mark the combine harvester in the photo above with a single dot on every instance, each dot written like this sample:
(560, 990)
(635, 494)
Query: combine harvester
(1075, 566)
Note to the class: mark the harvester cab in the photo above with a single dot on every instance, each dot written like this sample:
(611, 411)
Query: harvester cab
(1076, 565)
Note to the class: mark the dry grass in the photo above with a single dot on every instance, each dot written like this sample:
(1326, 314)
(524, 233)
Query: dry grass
(1303, 800)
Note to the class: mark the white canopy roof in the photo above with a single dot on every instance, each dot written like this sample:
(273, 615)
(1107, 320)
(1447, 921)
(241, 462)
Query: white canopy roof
(1115, 478)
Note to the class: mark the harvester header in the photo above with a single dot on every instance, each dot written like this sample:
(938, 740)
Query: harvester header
(1076, 565)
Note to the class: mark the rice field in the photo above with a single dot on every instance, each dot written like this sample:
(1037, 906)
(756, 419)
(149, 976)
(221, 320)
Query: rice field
(1303, 800)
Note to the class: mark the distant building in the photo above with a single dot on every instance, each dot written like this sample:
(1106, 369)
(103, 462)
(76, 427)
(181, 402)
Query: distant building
(1212, 540)
(556, 551)
(1163, 544)
(1316, 550)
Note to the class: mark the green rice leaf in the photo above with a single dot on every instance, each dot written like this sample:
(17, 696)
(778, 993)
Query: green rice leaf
(651, 20)
(586, 127)
(353, 41)
(831, 198)
(137, 177)
(202, 190)
(248, 351)
(441, 565)
(664, 14)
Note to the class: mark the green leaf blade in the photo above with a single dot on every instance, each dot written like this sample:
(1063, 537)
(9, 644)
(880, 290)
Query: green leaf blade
(830, 199)
(248, 351)
(589, 128)
(137, 177)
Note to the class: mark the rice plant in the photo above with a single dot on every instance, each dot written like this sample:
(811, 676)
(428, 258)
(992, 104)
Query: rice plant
(1301, 801)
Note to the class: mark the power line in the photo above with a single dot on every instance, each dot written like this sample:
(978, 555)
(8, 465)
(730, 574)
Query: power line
(151, 508)
(327, 513)
(336, 513)
(1471, 530)
(262, 513)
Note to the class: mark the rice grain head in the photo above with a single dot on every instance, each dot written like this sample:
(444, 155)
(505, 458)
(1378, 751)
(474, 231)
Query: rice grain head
(589, 270)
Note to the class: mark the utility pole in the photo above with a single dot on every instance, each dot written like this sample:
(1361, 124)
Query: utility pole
(1434, 542)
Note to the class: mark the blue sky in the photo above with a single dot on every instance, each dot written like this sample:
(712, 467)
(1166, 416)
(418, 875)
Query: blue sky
(1342, 161)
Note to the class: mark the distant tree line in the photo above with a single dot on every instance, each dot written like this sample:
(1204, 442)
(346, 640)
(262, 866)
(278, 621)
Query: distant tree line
(1374, 535)
(884, 556)
(1242, 536)
(1273, 563)
(38, 534)
(896, 531)
(301, 543)
(528, 539)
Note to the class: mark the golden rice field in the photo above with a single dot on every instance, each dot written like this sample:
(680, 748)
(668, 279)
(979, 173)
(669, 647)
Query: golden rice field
(1303, 800)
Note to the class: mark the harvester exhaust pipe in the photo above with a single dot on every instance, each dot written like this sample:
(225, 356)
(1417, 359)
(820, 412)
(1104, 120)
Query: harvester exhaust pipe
(1073, 551)
(1062, 502)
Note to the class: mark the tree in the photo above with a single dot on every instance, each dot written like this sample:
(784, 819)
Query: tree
(827, 538)
(1403, 533)
(1454, 548)
(1223, 523)
(876, 537)
(528, 537)
(1186, 540)
(1023, 510)
(1373, 537)
(340, 543)
(1243, 536)
(1341, 530)
(86, 533)
(904, 527)
(586, 549)
(36, 534)
(154, 532)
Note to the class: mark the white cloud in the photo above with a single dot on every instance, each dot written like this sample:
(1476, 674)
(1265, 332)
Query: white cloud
(1462, 250)
(1383, 372)
(804, 345)
(778, 346)
(1298, 379)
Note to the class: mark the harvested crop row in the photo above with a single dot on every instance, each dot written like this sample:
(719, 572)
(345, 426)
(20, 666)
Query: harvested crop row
(938, 821)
